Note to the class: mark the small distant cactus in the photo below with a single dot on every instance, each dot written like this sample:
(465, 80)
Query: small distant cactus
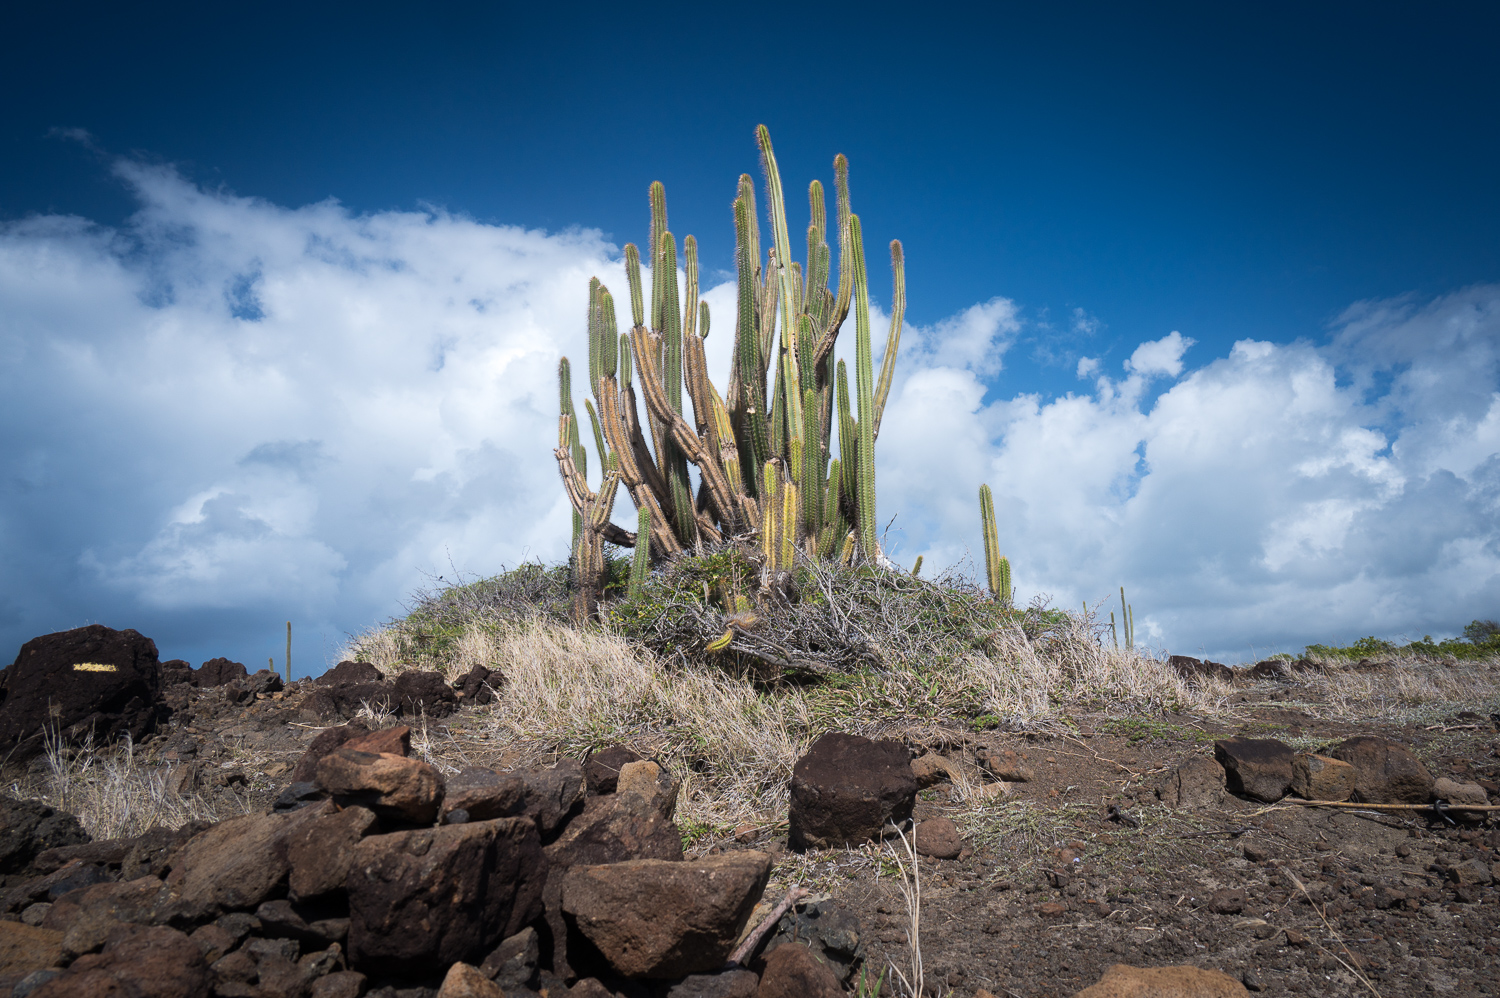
(765, 459)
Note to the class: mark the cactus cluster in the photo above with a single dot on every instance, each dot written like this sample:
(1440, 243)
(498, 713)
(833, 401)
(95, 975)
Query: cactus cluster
(764, 452)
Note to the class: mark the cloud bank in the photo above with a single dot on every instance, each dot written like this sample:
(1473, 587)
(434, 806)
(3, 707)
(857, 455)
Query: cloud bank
(229, 414)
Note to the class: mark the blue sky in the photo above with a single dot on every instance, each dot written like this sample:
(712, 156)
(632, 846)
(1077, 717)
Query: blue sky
(1303, 196)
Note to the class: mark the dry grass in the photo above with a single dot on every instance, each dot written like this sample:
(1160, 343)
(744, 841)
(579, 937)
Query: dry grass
(733, 739)
(114, 796)
(1403, 688)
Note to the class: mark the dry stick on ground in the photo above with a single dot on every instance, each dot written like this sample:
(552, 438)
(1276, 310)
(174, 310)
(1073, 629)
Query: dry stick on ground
(743, 951)
(1333, 932)
(1378, 807)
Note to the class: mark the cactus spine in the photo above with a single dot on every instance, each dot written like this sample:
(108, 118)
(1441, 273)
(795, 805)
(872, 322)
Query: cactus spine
(640, 562)
(764, 450)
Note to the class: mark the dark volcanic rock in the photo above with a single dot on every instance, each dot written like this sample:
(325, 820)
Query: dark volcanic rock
(552, 795)
(478, 685)
(847, 789)
(792, 971)
(139, 960)
(319, 853)
(235, 865)
(28, 828)
(419, 693)
(347, 672)
(1193, 669)
(434, 896)
(346, 699)
(483, 794)
(176, 672)
(88, 680)
(218, 672)
(1256, 767)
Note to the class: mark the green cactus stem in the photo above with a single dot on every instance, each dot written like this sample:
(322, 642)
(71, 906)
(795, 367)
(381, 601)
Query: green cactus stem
(640, 562)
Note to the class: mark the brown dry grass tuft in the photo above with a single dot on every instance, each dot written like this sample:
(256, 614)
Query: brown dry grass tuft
(114, 796)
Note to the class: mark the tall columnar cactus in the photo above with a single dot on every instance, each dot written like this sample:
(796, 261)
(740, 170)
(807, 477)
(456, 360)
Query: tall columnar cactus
(996, 565)
(764, 448)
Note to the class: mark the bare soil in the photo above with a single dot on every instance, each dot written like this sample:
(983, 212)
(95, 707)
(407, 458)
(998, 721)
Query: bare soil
(1052, 887)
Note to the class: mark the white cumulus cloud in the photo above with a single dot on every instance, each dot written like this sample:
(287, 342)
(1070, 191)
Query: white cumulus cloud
(229, 413)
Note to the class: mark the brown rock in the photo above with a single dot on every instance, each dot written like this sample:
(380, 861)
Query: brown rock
(939, 838)
(139, 961)
(601, 770)
(339, 984)
(1384, 772)
(465, 981)
(390, 741)
(552, 795)
(846, 789)
(793, 972)
(1456, 794)
(24, 948)
(436, 895)
(1321, 777)
(611, 829)
(483, 794)
(345, 700)
(1196, 783)
(590, 987)
(319, 852)
(655, 788)
(1052, 909)
(1227, 901)
(1122, 981)
(932, 769)
(392, 786)
(658, 919)
(1007, 765)
(736, 983)
(1256, 767)
(213, 941)
(100, 910)
(153, 852)
(235, 865)
(329, 740)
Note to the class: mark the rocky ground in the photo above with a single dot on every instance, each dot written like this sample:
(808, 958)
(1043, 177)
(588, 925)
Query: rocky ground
(1074, 845)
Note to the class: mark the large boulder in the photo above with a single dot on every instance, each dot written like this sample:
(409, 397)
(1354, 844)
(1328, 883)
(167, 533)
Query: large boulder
(28, 828)
(26, 948)
(1193, 670)
(482, 794)
(218, 672)
(652, 918)
(345, 700)
(847, 789)
(90, 680)
(233, 866)
(478, 685)
(1124, 981)
(552, 795)
(424, 693)
(1256, 767)
(328, 741)
(393, 786)
(346, 673)
(423, 899)
(319, 852)
(614, 828)
(1384, 772)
